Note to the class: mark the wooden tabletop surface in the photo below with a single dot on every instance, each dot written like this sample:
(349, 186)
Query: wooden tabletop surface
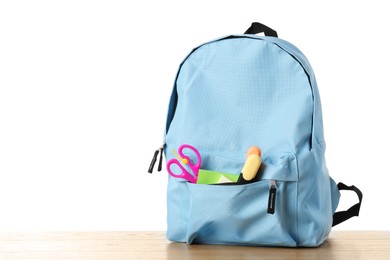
(153, 245)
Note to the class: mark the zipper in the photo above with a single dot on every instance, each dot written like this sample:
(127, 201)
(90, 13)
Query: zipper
(271, 197)
(154, 159)
(283, 46)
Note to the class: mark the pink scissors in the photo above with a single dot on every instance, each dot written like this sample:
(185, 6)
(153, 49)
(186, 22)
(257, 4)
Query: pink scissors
(186, 160)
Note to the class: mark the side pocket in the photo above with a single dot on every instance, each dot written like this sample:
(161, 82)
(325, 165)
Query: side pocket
(315, 198)
(215, 214)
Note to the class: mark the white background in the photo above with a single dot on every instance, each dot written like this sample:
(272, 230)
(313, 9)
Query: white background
(84, 89)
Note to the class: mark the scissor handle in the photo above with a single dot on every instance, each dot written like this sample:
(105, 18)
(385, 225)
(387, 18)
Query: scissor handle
(184, 173)
(194, 167)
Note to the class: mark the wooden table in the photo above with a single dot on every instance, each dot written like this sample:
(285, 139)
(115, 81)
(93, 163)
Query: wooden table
(153, 245)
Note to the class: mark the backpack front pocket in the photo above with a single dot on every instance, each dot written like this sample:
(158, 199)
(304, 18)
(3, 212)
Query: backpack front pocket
(259, 213)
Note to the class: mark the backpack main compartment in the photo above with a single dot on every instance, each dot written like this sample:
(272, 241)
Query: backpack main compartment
(230, 94)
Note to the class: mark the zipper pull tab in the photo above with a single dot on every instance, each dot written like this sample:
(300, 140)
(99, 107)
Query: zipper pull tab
(153, 162)
(161, 158)
(271, 197)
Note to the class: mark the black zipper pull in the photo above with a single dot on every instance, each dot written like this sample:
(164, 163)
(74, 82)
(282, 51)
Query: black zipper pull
(271, 197)
(153, 162)
(161, 158)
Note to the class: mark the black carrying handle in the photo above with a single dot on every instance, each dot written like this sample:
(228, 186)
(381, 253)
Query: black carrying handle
(353, 211)
(261, 28)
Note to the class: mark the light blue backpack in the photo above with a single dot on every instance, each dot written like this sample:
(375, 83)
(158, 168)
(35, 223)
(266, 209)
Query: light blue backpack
(233, 93)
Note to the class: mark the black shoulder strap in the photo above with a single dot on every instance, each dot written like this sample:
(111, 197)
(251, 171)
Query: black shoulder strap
(342, 216)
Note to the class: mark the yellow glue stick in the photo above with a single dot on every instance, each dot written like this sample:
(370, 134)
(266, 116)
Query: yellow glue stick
(251, 167)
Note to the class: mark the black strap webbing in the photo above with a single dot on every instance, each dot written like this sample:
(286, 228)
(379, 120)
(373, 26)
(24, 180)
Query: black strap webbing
(342, 216)
(261, 28)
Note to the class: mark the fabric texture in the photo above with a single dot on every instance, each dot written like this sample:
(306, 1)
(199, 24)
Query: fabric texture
(233, 93)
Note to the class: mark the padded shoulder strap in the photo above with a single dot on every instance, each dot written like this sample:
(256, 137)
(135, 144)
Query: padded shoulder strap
(341, 216)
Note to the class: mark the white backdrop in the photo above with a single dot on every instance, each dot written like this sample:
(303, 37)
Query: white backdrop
(84, 89)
